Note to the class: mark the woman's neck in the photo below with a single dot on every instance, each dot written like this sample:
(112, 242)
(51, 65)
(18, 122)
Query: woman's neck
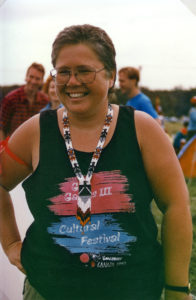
(87, 120)
(86, 133)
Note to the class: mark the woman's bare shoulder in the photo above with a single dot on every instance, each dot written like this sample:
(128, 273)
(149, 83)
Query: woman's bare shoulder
(23, 139)
(17, 158)
(160, 161)
(147, 129)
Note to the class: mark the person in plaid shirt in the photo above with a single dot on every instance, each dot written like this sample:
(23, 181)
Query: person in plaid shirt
(24, 102)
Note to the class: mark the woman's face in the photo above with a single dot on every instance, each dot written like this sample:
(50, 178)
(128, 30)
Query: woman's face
(79, 97)
(52, 92)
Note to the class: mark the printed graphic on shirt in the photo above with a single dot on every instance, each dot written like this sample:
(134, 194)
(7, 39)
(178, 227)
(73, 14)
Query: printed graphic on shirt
(102, 243)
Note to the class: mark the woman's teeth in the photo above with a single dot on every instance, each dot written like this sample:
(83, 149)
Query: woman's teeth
(76, 95)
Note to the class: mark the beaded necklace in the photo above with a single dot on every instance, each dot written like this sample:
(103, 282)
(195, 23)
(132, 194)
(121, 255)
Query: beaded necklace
(83, 213)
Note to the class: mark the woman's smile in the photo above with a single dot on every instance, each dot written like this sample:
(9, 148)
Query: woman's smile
(82, 97)
(76, 95)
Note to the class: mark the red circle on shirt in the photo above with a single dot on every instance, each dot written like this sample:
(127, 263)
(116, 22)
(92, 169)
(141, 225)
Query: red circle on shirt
(84, 258)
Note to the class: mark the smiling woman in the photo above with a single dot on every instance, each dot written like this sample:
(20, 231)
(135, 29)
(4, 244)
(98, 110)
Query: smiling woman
(93, 169)
(86, 87)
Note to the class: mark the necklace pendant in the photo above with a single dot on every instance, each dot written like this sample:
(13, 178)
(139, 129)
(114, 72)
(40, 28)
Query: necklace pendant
(83, 213)
(84, 203)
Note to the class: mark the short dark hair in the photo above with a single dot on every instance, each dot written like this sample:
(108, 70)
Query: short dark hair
(94, 37)
(38, 67)
(131, 73)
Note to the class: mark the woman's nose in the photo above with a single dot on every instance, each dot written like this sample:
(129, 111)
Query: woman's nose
(73, 79)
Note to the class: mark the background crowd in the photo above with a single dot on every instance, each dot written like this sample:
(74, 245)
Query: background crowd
(19, 103)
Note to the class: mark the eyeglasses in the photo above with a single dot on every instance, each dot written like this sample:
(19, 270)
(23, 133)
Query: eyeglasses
(83, 75)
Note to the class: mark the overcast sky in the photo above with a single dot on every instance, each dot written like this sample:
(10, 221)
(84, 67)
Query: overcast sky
(158, 35)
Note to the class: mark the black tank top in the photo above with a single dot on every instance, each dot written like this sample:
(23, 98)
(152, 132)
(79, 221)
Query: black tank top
(118, 251)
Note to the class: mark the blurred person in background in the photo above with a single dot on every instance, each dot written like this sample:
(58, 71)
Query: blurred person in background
(24, 102)
(192, 119)
(129, 78)
(180, 137)
(50, 89)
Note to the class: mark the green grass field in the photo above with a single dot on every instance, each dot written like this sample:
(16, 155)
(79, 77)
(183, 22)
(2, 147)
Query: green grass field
(172, 129)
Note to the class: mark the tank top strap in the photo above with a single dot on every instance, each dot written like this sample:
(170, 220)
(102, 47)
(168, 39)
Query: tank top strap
(50, 136)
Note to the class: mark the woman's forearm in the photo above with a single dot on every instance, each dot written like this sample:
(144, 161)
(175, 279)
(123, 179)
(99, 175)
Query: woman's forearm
(9, 233)
(177, 244)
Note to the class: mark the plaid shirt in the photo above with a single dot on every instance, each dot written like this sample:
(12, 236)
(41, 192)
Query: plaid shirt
(15, 109)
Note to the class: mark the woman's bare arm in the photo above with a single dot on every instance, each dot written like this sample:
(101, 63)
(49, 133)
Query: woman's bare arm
(24, 144)
(171, 195)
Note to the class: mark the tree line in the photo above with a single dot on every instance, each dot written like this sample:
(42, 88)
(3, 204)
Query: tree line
(175, 102)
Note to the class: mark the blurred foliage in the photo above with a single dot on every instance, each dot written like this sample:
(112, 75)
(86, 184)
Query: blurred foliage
(174, 102)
